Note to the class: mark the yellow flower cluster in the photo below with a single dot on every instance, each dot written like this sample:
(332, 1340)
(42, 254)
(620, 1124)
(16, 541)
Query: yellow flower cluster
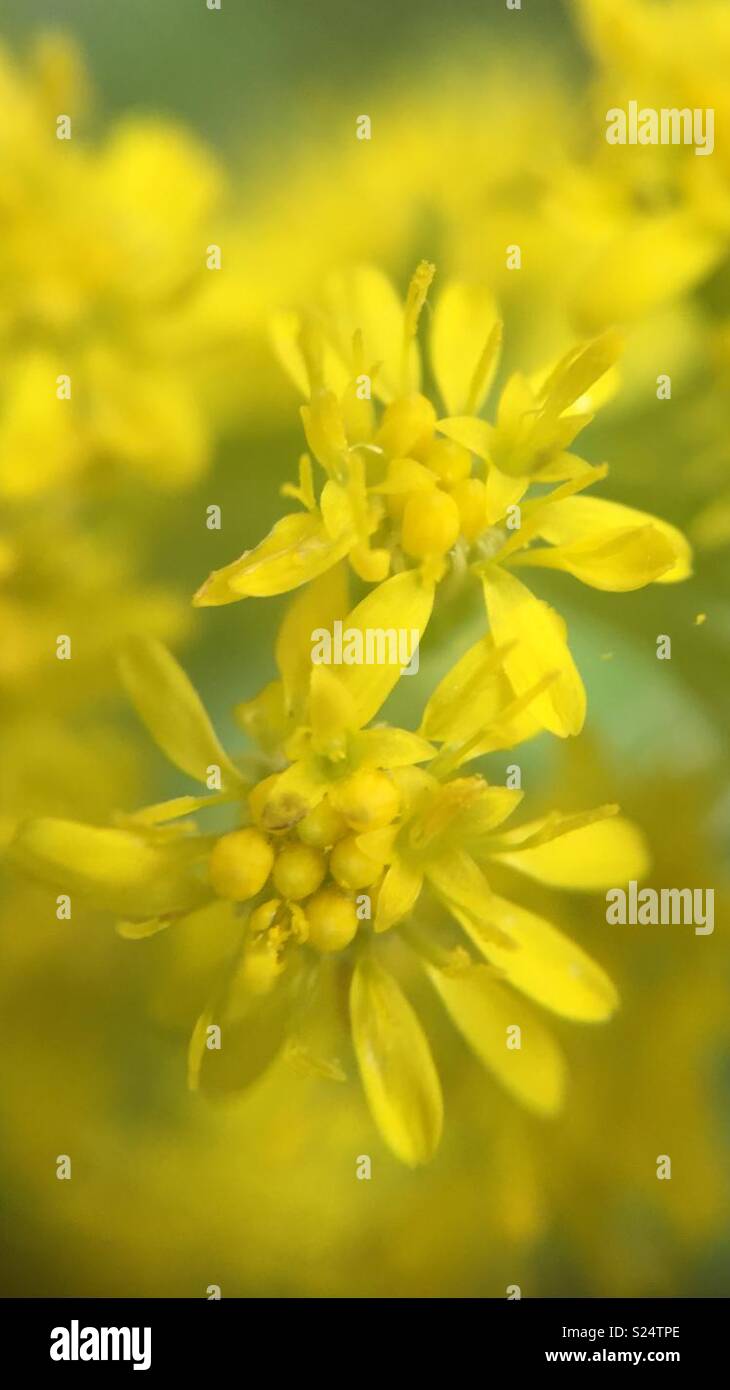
(401, 492)
(349, 829)
(353, 840)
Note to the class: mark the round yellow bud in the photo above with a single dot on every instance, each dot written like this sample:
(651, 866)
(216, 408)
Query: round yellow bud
(449, 460)
(240, 864)
(332, 920)
(322, 826)
(407, 426)
(272, 809)
(470, 496)
(298, 871)
(350, 867)
(431, 524)
(367, 800)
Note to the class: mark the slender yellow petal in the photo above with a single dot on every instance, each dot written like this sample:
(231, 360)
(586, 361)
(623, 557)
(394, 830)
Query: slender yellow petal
(337, 510)
(399, 608)
(331, 712)
(602, 855)
(470, 695)
(363, 298)
(319, 1038)
(297, 549)
(459, 882)
(515, 615)
(399, 892)
(286, 336)
(575, 519)
(538, 959)
(124, 873)
(175, 809)
(285, 330)
(503, 492)
(579, 370)
(493, 806)
(318, 606)
(139, 931)
(474, 709)
(487, 1015)
(463, 320)
(170, 707)
(252, 1031)
(618, 562)
(385, 747)
(396, 1066)
(324, 428)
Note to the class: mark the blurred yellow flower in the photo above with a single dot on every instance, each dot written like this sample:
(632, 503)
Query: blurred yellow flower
(104, 261)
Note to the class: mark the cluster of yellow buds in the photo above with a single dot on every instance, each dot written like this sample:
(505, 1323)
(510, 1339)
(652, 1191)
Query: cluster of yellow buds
(311, 858)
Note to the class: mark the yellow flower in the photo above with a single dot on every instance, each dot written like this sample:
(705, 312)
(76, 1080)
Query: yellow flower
(401, 491)
(105, 331)
(341, 808)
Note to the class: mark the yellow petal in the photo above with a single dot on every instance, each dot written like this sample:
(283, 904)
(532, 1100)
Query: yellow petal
(469, 696)
(318, 1040)
(385, 747)
(337, 510)
(459, 882)
(324, 428)
(298, 548)
(396, 1066)
(124, 873)
(503, 492)
(539, 633)
(579, 370)
(331, 712)
(399, 608)
(484, 1014)
(475, 435)
(493, 806)
(618, 561)
(286, 336)
(175, 809)
(475, 701)
(575, 519)
(463, 320)
(604, 854)
(285, 330)
(538, 959)
(139, 931)
(252, 1031)
(318, 606)
(364, 299)
(399, 892)
(169, 705)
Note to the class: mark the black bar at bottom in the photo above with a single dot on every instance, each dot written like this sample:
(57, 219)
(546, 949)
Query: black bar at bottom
(346, 1338)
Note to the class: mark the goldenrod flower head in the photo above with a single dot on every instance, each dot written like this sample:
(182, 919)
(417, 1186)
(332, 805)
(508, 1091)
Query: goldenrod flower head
(390, 838)
(427, 497)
